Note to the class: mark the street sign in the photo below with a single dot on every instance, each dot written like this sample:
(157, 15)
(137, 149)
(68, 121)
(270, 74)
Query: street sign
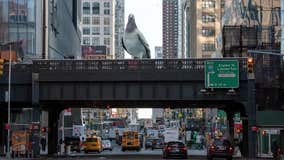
(221, 74)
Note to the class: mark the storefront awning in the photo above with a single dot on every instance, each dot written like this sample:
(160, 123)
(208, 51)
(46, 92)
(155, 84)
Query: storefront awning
(270, 118)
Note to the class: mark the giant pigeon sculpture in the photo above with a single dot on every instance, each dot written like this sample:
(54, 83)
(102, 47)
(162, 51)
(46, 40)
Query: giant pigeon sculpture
(133, 40)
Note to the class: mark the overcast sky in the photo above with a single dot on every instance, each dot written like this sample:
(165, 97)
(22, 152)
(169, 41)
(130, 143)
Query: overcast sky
(148, 17)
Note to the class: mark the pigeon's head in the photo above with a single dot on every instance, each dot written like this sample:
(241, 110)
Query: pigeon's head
(131, 17)
(131, 25)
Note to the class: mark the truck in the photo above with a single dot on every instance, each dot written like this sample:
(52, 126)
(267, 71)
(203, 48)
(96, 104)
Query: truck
(153, 133)
(79, 131)
(171, 134)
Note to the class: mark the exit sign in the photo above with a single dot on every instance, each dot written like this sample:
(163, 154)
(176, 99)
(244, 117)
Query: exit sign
(221, 74)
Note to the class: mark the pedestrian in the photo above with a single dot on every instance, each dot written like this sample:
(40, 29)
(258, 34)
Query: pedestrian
(274, 148)
(43, 143)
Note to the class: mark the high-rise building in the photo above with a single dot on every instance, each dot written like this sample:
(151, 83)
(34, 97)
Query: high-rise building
(119, 28)
(282, 29)
(205, 26)
(170, 28)
(21, 22)
(98, 19)
(158, 52)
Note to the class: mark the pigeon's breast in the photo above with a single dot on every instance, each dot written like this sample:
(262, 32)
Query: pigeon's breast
(133, 44)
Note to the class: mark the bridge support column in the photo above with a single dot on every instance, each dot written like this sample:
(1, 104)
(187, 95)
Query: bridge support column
(3, 131)
(53, 117)
(249, 121)
(230, 118)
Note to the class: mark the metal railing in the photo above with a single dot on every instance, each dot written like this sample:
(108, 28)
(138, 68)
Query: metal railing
(192, 65)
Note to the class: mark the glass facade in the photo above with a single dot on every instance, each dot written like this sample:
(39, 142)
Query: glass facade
(18, 24)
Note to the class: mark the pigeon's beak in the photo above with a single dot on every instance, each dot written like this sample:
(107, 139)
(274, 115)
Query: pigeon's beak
(131, 17)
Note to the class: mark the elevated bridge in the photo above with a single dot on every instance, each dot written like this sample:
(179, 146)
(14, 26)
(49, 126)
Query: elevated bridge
(54, 85)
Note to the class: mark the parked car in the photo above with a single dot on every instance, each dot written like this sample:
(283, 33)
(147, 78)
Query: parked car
(74, 143)
(175, 149)
(107, 145)
(220, 149)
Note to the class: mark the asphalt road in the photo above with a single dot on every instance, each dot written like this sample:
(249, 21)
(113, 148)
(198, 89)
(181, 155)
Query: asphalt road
(128, 157)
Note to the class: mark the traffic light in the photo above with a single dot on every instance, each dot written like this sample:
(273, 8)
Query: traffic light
(250, 65)
(1, 67)
(43, 129)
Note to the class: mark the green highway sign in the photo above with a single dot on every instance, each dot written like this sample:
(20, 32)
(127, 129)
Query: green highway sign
(221, 73)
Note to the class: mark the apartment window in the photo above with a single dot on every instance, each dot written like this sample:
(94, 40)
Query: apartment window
(86, 20)
(106, 4)
(107, 41)
(96, 41)
(86, 31)
(95, 30)
(208, 31)
(96, 20)
(106, 21)
(208, 47)
(208, 18)
(106, 30)
(86, 40)
(106, 11)
(86, 8)
(208, 3)
(96, 8)
(107, 50)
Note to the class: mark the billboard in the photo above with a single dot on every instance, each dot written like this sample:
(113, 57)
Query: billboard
(94, 52)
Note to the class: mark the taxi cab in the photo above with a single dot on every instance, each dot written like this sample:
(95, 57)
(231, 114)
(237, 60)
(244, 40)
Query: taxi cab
(93, 144)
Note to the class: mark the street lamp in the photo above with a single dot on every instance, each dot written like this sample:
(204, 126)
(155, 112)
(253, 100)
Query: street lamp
(9, 99)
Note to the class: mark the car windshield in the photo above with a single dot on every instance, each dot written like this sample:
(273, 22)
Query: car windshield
(92, 140)
(106, 142)
(218, 143)
(175, 144)
(222, 143)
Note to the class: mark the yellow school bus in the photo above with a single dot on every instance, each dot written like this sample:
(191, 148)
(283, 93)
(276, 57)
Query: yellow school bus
(130, 141)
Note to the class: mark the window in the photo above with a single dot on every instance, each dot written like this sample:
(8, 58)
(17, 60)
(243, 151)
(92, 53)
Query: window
(86, 31)
(208, 31)
(106, 11)
(208, 3)
(86, 8)
(86, 40)
(96, 8)
(208, 47)
(96, 20)
(106, 4)
(106, 21)
(208, 18)
(96, 41)
(107, 50)
(107, 41)
(86, 20)
(96, 31)
(106, 30)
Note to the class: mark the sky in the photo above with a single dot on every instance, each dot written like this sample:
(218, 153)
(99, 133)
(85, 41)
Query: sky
(148, 17)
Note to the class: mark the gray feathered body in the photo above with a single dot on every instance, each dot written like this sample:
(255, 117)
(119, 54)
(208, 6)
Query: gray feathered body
(133, 45)
(134, 42)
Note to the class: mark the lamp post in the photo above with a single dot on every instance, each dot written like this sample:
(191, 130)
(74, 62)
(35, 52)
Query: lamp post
(9, 100)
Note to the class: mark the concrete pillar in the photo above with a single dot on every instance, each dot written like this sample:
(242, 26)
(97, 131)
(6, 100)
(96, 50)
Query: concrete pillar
(53, 116)
(251, 120)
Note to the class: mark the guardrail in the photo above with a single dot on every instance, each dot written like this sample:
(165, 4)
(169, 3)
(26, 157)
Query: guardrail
(127, 65)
